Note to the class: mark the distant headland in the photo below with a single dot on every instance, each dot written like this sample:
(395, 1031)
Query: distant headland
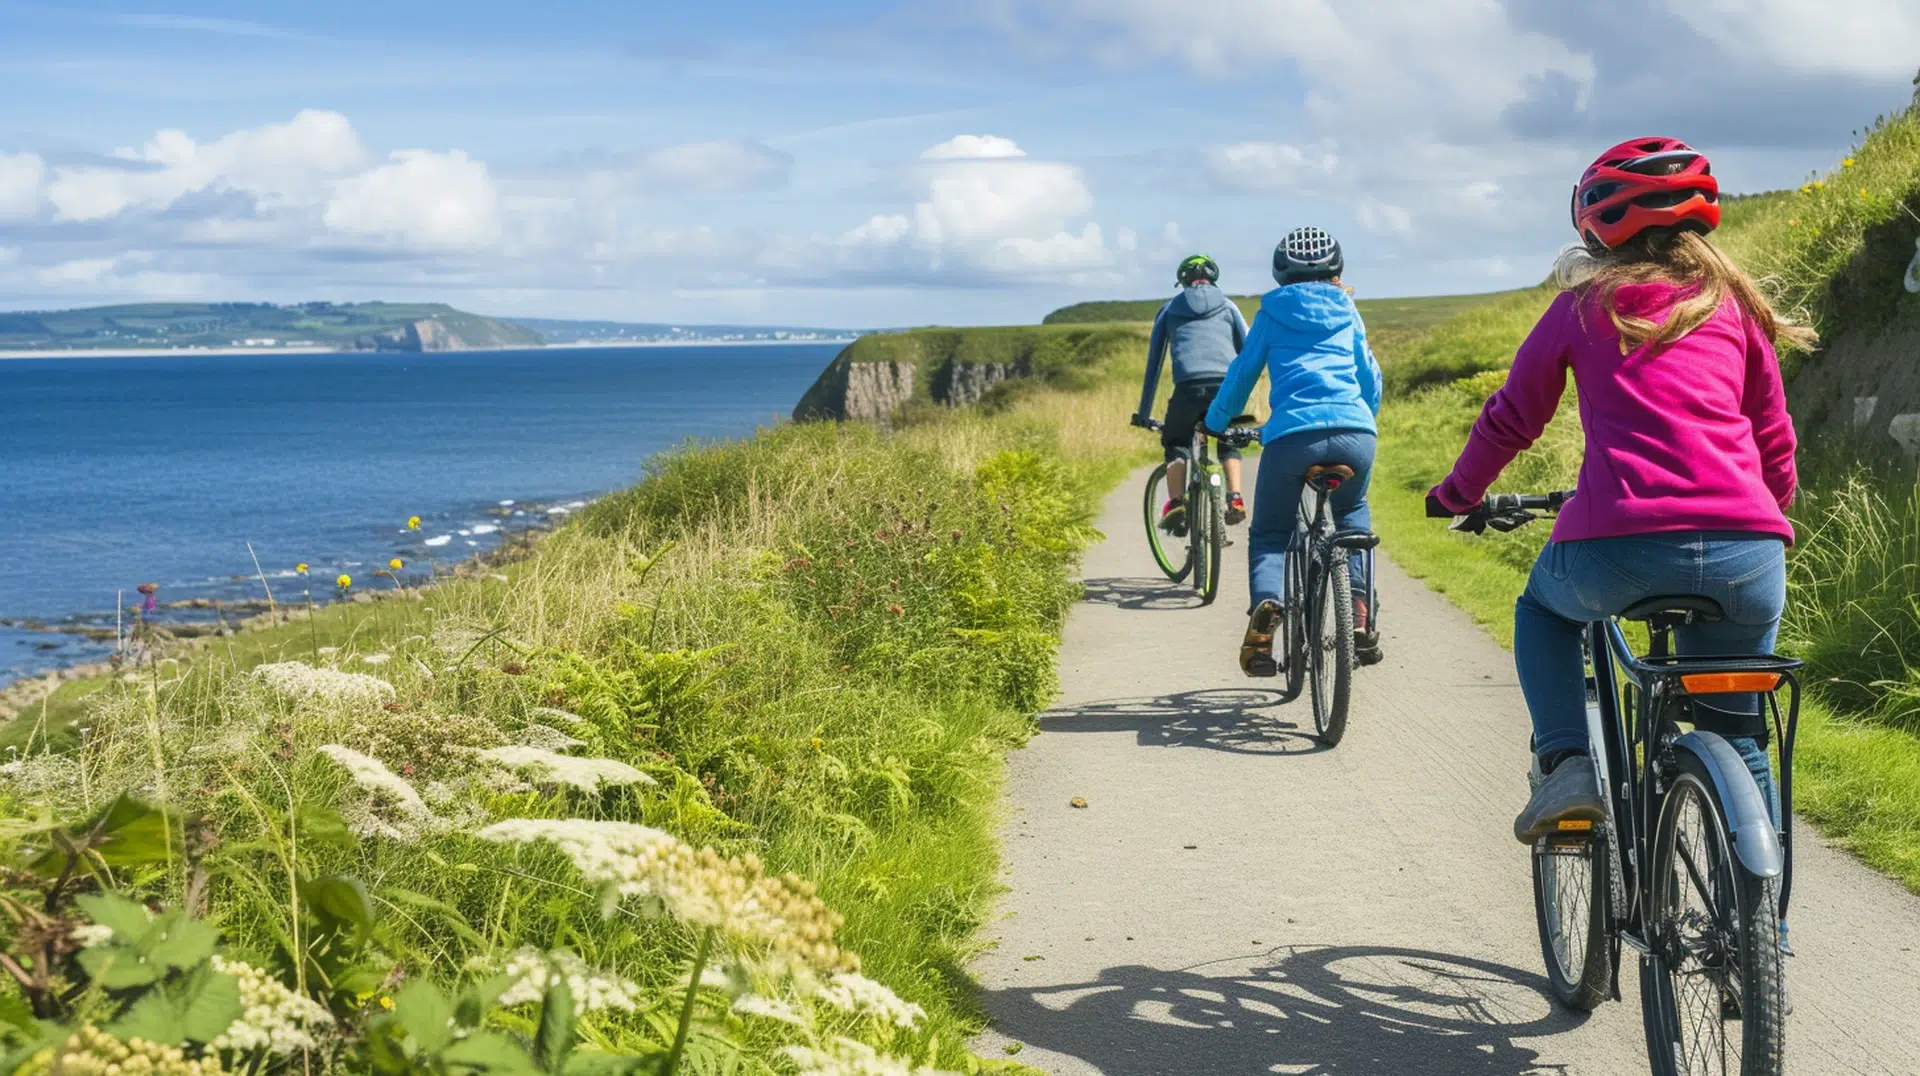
(325, 326)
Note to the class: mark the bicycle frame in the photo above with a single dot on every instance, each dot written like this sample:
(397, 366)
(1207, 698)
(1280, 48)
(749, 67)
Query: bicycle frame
(1200, 469)
(1313, 525)
(1633, 727)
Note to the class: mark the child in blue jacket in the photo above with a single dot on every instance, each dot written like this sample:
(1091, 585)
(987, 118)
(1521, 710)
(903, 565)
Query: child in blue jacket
(1309, 339)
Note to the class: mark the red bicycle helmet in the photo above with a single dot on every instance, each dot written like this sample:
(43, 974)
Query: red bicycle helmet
(1645, 183)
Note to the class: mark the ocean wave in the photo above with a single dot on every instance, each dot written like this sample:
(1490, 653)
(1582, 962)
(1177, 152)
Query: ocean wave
(484, 528)
(439, 541)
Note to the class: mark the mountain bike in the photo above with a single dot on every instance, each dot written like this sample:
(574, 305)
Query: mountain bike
(1206, 500)
(1316, 629)
(1688, 868)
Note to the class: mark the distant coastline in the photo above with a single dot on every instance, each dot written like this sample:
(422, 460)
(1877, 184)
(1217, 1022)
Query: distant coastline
(571, 345)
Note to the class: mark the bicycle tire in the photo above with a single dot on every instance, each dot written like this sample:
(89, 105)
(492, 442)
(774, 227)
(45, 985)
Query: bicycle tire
(1291, 644)
(1156, 538)
(1570, 895)
(1214, 540)
(1331, 675)
(1741, 974)
(1199, 547)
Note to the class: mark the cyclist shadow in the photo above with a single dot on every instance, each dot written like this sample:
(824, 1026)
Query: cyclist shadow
(1139, 594)
(1308, 1010)
(1220, 719)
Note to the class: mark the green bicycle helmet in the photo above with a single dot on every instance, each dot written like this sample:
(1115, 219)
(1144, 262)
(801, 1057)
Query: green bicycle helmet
(1196, 269)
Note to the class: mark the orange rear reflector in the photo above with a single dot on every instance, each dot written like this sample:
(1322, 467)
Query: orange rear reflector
(1726, 682)
(1575, 824)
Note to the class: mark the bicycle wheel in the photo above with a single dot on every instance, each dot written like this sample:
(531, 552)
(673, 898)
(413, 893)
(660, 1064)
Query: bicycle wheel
(1199, 544)
(1174, 560)
(1570, 905)
(1712, 995)
(1290, 645)
(1212, 541)
(1330, 643)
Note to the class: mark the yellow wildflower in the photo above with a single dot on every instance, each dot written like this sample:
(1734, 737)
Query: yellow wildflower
(344, 581)
(413, 523)
(1819, 184)
(386, 1002)
(1848, 163)
(396, 564)
(301, 567)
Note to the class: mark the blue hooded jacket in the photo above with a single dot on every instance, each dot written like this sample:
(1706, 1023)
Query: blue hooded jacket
(1310, 341)
(1203, 329)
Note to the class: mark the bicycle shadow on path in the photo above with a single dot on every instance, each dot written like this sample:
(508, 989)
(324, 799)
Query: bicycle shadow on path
(1153, 595)
(1304, 1010)
(1219, 719)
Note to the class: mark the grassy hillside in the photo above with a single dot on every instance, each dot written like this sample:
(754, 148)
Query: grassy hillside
(1853, 573)
(806, 652)
(1390, 322)
(346, 325)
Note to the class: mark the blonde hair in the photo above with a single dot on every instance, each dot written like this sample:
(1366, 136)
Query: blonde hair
(1681, 257)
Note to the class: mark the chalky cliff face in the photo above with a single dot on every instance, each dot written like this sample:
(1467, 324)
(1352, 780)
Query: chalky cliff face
(878, 377)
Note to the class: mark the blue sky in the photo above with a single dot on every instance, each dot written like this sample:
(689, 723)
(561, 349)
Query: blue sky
(869, 162)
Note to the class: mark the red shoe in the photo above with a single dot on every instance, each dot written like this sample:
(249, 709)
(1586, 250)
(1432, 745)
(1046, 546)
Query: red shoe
(1173, 518)
(1236, 509)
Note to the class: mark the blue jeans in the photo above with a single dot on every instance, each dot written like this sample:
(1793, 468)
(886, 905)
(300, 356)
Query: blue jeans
(1276, 502)
(1574, 583)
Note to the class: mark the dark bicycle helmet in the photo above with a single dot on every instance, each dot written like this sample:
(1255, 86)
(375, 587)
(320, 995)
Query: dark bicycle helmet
(1307, 254)
(1198, 268)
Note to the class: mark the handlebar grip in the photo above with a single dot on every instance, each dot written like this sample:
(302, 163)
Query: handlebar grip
(1436, 510)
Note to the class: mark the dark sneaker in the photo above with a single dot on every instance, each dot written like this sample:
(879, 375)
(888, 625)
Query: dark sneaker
(1256, 647)
(1566, 801)
(1236, 509)
(1366, 643)
(1173, 518)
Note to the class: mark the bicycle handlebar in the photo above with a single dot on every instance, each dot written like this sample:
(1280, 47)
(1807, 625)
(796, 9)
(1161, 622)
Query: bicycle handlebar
(1238, 436)
(1501, 511)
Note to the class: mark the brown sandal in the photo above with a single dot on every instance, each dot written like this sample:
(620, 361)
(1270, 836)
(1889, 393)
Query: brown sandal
(1256, 647)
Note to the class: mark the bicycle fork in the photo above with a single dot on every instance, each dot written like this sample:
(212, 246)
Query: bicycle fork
(1616, 801)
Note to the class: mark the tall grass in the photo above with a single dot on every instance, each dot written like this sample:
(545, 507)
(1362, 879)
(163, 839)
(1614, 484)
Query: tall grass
(817, 644)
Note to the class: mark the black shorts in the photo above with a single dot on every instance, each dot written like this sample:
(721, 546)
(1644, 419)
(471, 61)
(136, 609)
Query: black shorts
(1185, 410)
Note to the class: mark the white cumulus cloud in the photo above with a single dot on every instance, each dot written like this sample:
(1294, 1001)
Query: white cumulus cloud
(1854, 37)
(277, 164)
(420, 198)
(989, 210)
(973, 147)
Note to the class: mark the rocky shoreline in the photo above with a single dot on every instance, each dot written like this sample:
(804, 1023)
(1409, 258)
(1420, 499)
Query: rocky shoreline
(173, 640)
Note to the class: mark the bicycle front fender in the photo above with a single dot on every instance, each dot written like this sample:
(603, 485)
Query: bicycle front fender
(1755, 840)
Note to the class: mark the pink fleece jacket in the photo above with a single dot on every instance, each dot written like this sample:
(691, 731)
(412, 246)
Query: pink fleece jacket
(1692, 436)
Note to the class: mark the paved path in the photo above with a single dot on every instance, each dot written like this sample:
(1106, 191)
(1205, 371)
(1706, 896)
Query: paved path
(1236, 900)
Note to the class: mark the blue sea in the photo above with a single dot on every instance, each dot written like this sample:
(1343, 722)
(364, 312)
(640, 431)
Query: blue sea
(118, 471)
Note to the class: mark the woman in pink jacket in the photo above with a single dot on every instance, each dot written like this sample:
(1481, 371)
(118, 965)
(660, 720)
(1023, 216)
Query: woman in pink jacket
(1689, 454)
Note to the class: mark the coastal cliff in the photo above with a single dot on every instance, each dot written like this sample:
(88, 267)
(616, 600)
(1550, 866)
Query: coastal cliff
(878, 379)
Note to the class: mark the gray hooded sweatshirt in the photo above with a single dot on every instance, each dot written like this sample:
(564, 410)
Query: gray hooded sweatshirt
(1203, 329)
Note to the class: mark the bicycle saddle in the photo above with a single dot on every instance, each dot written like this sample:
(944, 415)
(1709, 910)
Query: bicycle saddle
(1680, 606)
(1329, 474)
